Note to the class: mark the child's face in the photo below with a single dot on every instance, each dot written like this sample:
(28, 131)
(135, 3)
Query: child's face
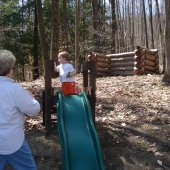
(61, 60)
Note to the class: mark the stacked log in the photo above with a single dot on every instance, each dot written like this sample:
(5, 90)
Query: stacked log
(124, 64)
(102, 63)
(149, 60)
(141, 61)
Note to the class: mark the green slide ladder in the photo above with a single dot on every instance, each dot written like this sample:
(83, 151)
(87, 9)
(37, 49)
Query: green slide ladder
(78, 137)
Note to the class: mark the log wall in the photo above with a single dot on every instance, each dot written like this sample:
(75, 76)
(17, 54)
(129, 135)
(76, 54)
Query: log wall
(123, 63)
(102, 63)
(149, 60)
(141, 61)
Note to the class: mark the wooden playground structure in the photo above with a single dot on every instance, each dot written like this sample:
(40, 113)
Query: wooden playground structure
(88, 70)
(141, 61)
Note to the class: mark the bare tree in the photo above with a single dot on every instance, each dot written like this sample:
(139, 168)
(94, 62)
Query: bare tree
(35, 48)
(146, 34)
(65, 35)
(42, 30)
(54, 48)
(96, 23)
(161, 58)
(167, 42)
(151, 22)
(114, 26)
(132, 26)
(77, 37)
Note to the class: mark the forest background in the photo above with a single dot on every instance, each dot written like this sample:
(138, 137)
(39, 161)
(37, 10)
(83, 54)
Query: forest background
(133, 116)
(36, 30)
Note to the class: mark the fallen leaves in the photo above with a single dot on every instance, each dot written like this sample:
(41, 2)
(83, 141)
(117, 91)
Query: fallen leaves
(33, 123)
(158, 154)
(120, 100)
(159, 162)
(131, 115)
(132, 99)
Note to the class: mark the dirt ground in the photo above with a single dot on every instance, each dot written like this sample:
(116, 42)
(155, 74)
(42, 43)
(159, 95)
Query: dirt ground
(132, 122)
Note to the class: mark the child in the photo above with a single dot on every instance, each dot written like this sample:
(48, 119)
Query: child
(66, 73)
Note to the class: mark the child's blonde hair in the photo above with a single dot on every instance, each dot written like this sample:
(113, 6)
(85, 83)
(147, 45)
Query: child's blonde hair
(64, 54)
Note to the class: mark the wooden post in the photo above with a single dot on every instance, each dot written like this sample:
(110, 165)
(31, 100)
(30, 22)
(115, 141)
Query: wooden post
(93, 88)
(43, 106)
(90, 84)
(84, 69)
(47, 94)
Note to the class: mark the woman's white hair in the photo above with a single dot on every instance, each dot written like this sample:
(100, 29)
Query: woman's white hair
(7, 61)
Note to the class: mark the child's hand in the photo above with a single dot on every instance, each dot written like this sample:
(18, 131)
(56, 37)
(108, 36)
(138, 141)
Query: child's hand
(68, 74)
(54, 66)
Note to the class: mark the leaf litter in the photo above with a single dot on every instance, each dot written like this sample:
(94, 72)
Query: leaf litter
(132, 120)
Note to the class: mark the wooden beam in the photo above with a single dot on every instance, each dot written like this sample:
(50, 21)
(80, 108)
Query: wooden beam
(93, 89)
(48, 69)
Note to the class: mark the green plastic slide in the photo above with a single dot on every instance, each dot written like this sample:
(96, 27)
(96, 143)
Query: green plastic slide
(79, 141)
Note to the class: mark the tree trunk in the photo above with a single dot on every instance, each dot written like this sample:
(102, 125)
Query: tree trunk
(77, 37)
(42, 30)
(35, 48)
(65, 24)
(96, 36)
(162, 56)
(167, 42)
(113, 44)
(146, 34)
(151, 23)
(132, 27)
(54, 48)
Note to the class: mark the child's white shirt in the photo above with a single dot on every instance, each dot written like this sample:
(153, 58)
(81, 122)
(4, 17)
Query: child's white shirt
(63, 70)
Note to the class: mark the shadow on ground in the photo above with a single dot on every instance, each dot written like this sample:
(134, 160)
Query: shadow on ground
(133, 147)
(46, 151)
(123, 148)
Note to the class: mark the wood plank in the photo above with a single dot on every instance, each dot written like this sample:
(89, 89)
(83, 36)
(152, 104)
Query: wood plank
(147, 57)
(131, 68)
(149, 68)
(98, 59)
(102, 74)
(150, 57)
(149, 63)
(48, 70)
(98, 55)
(149, 51)
(103, 70)
(92, 97)
(139, 71)
(120, 55)
(103, 65)
(131, 58)
(121, 73)
(116, 64)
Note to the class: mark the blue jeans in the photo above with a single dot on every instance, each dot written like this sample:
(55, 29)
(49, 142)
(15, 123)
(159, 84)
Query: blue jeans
(22, 159)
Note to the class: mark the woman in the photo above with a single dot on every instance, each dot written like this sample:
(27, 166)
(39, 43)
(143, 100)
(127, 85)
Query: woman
(15, 101)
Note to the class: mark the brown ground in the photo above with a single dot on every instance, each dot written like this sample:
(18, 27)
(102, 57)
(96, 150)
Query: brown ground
(132, 122)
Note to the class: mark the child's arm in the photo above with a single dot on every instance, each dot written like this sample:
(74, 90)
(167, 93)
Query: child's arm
(55, 69)
(70, 74)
